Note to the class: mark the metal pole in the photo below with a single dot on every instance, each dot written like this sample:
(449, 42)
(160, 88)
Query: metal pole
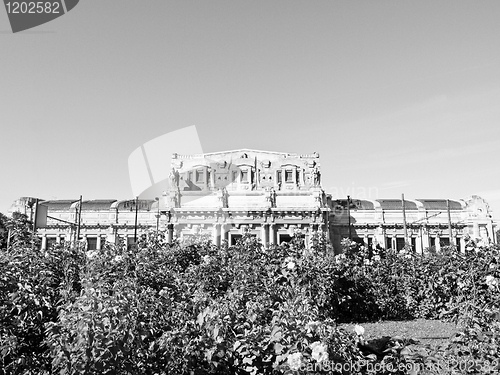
(421, 238)
(449, 222)
(349, 214)
(8, 239)
(405, 233)
(79, 219)
(34, 221)
(158, 215)
(135, 225)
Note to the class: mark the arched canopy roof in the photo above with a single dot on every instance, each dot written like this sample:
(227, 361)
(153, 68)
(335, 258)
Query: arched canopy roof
(359, 204)
(59, 205)
(440, 204)
(129, 205)
(97, 204)
(396, 204)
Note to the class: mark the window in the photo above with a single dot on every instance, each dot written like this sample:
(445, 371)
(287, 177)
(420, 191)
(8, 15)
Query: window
(130, 243)
(388, 243)
(400, 243)
(235, 238)
(199, 176)
(51, 241)
(285, 238)
(244, 176)
(288, 175)
(278, 177)
(444, 241)
(91, 243)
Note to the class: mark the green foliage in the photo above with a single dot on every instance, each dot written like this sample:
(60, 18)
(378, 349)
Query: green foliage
(4, 231)
(194, 308)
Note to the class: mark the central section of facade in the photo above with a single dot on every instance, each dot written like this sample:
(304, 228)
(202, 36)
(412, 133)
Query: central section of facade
(270, 195)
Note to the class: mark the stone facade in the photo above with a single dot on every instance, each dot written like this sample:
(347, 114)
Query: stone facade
(429, 222)
(270, 195)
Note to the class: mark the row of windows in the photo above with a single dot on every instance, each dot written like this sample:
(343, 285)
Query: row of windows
(400, 242)
(91, 242)
(198, 176)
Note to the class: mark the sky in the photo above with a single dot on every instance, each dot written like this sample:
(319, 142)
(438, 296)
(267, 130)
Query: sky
(397, 97)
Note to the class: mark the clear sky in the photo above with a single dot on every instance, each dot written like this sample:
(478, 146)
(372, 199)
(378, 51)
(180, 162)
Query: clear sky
(396, 96)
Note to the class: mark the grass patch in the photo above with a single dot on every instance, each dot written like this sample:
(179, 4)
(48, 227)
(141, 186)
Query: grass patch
(432, 332)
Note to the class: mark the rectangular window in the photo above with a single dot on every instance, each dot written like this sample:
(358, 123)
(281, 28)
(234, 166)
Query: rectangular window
(91, 243)
(130, 243)
(284, 238)
(444, 241)
(199, 176)
(388, 243)
(400, 243)
(235, 238)
(288, 176)
(244, 176)
(51, 241)
(278, 177)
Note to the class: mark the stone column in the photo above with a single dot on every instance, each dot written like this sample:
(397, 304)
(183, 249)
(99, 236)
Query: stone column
(216, 234)
(212, 179)
(99, 245)
(418, 245)
(263, 234)
(425, 238)
(438, 242)
(272, 234)
(380, 236)
(393, 242)
(44, 241)
(491, 233)
(475, 230)
(111, 234)
(462, 245)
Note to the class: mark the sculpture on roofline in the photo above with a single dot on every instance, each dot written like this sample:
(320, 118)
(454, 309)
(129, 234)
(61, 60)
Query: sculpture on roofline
(223, 197)
(271, 197)
(173, 178)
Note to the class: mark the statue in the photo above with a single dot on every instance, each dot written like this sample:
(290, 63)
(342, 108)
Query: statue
(223, 197)
(271, 197)
(173, 178)
(316, 176)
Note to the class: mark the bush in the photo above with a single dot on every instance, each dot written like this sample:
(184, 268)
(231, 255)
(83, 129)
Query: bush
(194, 308)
